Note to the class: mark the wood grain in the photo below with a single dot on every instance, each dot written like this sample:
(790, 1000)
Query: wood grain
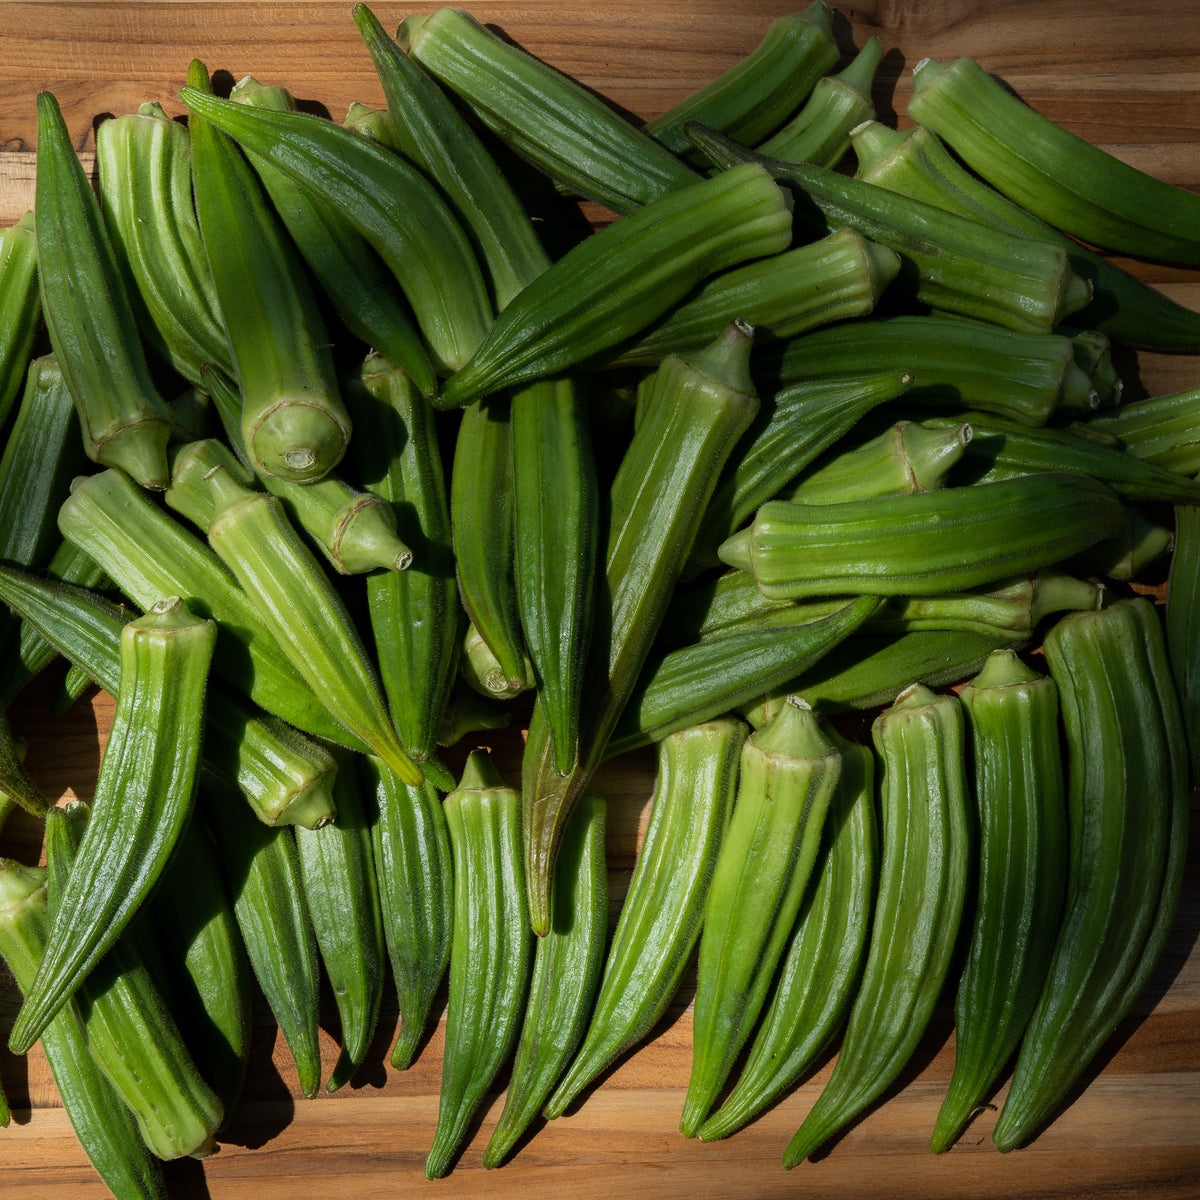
(1123, 74)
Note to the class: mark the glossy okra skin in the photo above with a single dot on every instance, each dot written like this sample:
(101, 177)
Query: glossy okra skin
(1161, 430)
(491, 950)
(1126, 773)
(824, 956)
(566, 972)
(926, 851)
(20, 308)
(1012, 716)
(91, 324)
(1056, 175)
(548, 119)
(104, 1126)
(789, 773)
(143, 798)
(663, 910)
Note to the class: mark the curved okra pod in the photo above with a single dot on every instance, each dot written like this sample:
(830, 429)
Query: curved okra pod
(17, 786)
(491, 950)
(1053, 173)
(143, 798)
(1012, 714)
(124, 420)
(789, 773)
(663, 910)
(20, 308)
(1127, 814)
(922, 887)
(824, 957)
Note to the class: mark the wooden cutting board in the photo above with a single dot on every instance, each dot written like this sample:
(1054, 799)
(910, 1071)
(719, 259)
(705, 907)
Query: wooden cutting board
(1125, 75)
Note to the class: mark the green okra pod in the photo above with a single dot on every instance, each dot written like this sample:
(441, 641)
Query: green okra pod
(663, 910)
(143, 799)
(17, 786)
(1140, 542)
(1162, 430)
(1012, 715)
(490, 954)
(124, 420)
(374, 124)
(789, 773)
(1182, 587)
(926, 850)
(20, 308)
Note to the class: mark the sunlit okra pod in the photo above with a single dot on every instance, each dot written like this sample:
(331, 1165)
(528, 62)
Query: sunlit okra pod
(296, 601)
(926, 849)
(824, 957)
(759, 93)
(663, 910)
(143, 798)
(490, 954)
(20, 308)
(372, 123)
(1164, 430)
(1126, 771)
(1012, 715)
(104, 1126)
(548, 119)
(144, 161)
(566, 971)
(91, 324)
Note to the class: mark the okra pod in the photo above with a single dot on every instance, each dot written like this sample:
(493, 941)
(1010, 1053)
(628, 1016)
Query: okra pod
(1183, 586)
(20, 308)
(1161, 430)
(17, 786)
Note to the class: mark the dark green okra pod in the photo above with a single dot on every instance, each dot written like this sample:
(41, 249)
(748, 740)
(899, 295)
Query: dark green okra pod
(20, 308)
(1183, 611)
(1163, 430)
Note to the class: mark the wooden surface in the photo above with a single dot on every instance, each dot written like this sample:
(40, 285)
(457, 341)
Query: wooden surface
(1124, 75)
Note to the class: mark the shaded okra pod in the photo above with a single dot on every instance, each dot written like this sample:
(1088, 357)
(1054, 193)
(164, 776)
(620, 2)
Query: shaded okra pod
(1012, 715)
(663, 910)
(143, 798)
(1183, 611)
(133, 1038)
(1164, 430)
(918, 164)
(296, 601)
(946, 540)
(759, 93)
(293, 421)
(566, 971)
(144, 161)
(1140, 542)
(338, 872)
(124, 420)
(820, 132)
(392, 205)
(1127, 806)
(619, 280)
(20, 308)
(824, 956)
(694, 414)
(568, 132)
(491, 950)
(17, 786)
(1056, 175)
(104, 1126)
(414, 877)
(926, 851)
(948, 262)
(789, 773)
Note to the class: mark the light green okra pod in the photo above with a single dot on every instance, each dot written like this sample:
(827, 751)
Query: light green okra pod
(20, 308)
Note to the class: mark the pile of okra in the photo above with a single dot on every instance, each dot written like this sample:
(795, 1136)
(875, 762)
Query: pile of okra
(323, 442)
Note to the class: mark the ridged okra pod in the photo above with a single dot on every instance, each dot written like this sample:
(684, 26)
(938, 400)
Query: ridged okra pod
(695, 412)
(294, 423)
(17, 786)
(1012, 715)
(414, 876)
(917, 163)
(926, 848)
(1050, 171)
(298, 604)
(663, 910)
(104, 1126)
(824, 956)
(124, 420)
(948, 262)
(789, 773)
(490, 954)
(760, 92)
(1126, 772)
(616, 282)
(578, 140)
(1183, 607)
(144, 161)
(947, 540)
(143, 798)
(1140, 542)
(566, 972)
(1163, 430)
(20, 308)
